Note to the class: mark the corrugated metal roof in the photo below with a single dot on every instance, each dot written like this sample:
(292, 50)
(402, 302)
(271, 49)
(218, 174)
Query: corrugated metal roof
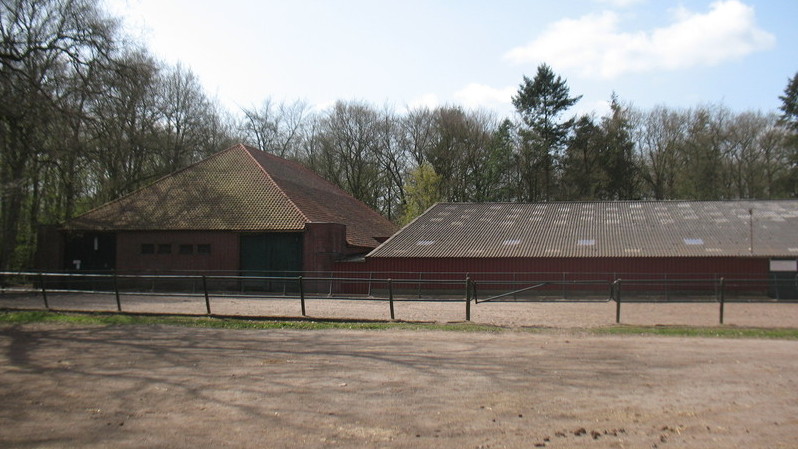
(239, 189)
(600, 229)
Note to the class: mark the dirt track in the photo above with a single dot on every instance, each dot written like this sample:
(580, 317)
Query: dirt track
(169, 387)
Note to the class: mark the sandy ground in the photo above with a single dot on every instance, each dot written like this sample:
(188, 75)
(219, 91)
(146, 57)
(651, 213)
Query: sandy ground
(67, 386)
(520, 314)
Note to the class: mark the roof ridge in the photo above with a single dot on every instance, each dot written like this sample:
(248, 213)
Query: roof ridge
(159, 179)
(300, 166)
(249, 151)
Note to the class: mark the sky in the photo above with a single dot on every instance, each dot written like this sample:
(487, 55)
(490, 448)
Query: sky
(474, 54)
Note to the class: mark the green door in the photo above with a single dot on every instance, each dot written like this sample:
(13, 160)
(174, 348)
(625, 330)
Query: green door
(272, 254)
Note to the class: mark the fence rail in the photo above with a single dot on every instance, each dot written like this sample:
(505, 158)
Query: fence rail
(416, 287)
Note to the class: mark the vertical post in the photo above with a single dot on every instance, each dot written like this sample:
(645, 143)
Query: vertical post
(44, 291)
(302, 295)
(207, 298)
(617, 301)
(722, 299)
(468, 298)
(371, 276)
(390, 297)
(474, 292)
(116, 292)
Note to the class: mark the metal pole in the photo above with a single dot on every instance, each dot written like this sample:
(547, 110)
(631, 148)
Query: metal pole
(44, 291)
(617, 301)
(302, 295)
(468, 299)
(116, 291)
(390, 297)
(722, 299)
(207, 298)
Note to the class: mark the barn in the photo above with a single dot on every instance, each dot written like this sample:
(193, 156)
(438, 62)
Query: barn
(653, 241)
(241, 210)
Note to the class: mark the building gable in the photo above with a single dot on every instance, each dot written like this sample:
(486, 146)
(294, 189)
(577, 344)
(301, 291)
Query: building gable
(239, 189)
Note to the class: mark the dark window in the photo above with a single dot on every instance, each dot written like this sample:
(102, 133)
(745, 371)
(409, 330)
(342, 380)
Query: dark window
(164, 248)
(204, 249)
(186, 249)
(147, 248)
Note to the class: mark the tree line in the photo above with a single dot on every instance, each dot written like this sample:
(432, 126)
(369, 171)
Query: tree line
(402, 163)
(88, 115)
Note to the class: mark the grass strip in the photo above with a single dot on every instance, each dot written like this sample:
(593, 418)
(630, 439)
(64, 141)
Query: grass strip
(103, 319)
(114, 319)
(710, 332)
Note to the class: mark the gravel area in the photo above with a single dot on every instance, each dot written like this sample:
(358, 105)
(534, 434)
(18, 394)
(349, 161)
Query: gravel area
(66, 386)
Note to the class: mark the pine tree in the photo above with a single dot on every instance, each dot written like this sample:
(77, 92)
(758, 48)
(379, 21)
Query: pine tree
(789, 119)
(540, 102)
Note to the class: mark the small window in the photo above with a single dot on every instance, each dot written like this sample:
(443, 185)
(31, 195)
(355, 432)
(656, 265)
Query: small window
(204, 249)
(164, 248)
(688, 241)
(186, 249)
(147, 248)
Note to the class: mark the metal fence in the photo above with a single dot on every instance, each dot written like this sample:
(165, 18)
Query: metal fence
(466, 289)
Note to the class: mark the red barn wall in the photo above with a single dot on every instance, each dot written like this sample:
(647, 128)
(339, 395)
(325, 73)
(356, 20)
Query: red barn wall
(664, 273)
(613, 267)
(224, 254)
(323, 244)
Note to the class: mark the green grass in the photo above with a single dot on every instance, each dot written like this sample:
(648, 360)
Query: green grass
(111, 319)
(102, 319)
(689, 331)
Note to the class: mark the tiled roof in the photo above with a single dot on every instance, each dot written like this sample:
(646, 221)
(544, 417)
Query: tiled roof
(239, 189)
(600, 229)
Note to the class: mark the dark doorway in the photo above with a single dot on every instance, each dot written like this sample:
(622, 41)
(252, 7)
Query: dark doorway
(90, 251)
(272, 254)
(783, 279)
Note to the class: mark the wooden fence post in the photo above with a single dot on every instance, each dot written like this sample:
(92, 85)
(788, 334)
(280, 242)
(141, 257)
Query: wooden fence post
(468, 298)
(302, 294)
(116, 292)
(44, 291)
(207, 298)
(722, 299)
(617, 301)
(390, 297)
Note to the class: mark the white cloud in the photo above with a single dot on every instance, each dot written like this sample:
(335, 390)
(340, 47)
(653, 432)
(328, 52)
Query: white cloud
(594, 45)
(430, 101)
(475, 95)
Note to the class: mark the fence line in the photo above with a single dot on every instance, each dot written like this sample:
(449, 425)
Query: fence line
(387, 289)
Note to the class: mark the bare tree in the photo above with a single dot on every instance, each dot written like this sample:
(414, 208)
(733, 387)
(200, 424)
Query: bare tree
(276, 128)
(41, 44)
(659, 135)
